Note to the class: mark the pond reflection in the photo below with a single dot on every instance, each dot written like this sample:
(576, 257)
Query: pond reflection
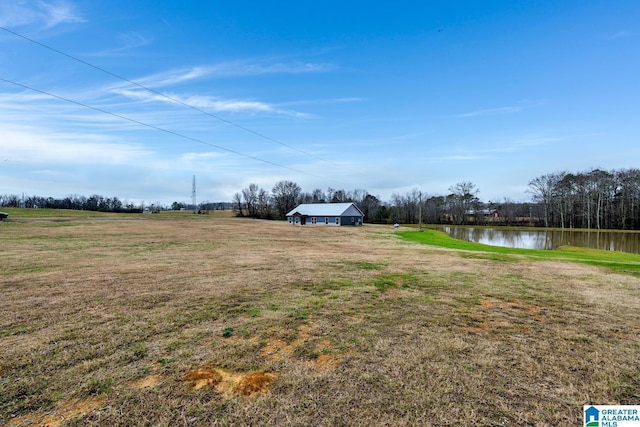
(548, 239)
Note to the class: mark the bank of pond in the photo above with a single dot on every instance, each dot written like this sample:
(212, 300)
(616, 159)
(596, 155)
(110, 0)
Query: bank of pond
(610, 240)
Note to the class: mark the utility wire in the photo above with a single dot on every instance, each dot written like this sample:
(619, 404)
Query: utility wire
(152, 126)
(184, 104)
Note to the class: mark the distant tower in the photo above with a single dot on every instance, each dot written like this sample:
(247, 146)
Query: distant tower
(193, 195)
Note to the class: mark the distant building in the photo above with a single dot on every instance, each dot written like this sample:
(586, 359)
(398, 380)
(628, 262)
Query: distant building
(337, 214)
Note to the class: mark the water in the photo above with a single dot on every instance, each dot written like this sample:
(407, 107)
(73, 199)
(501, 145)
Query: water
(549, 239)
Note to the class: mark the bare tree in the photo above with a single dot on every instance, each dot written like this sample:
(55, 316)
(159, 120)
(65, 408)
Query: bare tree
(285, 196)
(264, 204)
(250, 197)
(591, 199)
(542, 190)
(464, 201)
(237, 203)
(369, 206)
(318, 196)
(339, 196)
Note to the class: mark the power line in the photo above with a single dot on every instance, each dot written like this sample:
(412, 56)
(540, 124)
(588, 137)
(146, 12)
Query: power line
(184, 104)
(170, 132)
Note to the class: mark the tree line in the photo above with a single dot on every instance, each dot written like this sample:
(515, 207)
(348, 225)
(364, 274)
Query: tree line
(460, 207)
(595, 198)
(75, 202)
(591, 199)
(257, 202)
(100, 203)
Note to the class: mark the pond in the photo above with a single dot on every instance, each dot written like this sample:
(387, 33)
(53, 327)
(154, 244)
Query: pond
(610, 240)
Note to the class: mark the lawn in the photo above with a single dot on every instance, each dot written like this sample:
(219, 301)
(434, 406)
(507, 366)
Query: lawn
(618, 261)
(199, 320)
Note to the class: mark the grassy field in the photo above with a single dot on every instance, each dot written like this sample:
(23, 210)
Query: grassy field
(198, 320)
(617, 261)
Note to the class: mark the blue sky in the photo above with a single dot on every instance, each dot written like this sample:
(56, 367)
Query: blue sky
(382, 96)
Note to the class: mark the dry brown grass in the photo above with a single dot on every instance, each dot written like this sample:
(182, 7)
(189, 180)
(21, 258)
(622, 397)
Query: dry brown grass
(120, 322)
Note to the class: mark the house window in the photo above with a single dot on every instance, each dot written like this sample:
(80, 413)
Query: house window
(337, 220)
(314, 220)
(297, 220)
(290, 220)
(326, 220)
(353, 220)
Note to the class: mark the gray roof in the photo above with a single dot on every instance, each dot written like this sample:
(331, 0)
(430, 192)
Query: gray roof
(326, 209)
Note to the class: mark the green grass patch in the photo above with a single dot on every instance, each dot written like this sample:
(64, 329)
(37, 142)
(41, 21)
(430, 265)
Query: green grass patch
(166, 360)
(99, 386)
(616, 261)
(627, 388)
(339, 283)
(17, 330)
(382, 284)
(489, 257)
(365, 265)
(299, 313)
(139, 351)
(404, 280)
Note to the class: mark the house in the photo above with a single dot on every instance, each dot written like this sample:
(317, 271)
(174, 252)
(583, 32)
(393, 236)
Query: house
(326, 214)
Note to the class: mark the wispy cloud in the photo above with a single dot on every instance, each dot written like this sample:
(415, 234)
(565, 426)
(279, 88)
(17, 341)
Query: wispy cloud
(279, 67)
(496, 149)
(225, 69)
(209, 103)
(535, 141)
(232, 69)
(489, 112)
(498, 111)
(463, 157)
(37, 109)
(206, 156)
(328, 101)
(38, 146)
(47, 14)
(132, 40)
(618, 35)
(59, 12)
(517, 144)
(173, 77)
(128, 41)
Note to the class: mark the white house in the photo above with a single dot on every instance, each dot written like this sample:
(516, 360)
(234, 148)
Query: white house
(338, 214)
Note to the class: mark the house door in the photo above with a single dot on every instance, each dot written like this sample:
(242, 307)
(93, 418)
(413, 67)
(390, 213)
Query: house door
(303, 220)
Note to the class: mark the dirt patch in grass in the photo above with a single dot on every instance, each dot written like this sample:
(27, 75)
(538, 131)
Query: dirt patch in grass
(515, 307)
(245, 384)
(200, 378)
(492, 315)
(148, 381)
(257, 382)
(276, 350)
(327, 359)
(59, 415)
(318, 354)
